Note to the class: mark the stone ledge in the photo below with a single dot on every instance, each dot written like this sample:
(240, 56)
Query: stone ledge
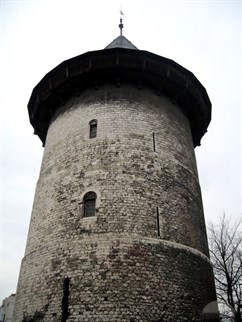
(122, 240)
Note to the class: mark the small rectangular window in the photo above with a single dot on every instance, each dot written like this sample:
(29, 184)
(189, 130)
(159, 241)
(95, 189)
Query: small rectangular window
(89, 210)
(89, 201)
(93, 129)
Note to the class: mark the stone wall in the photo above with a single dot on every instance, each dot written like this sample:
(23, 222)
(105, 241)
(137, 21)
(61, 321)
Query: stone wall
(6, 309)
(143, 257)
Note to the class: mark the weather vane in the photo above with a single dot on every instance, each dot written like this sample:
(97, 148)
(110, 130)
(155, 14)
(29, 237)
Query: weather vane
(121, 23)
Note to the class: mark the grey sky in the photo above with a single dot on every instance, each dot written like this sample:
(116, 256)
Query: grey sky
(202, 36)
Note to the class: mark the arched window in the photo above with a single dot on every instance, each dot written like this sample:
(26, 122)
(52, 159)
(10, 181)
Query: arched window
(93, 129)
(89, 201)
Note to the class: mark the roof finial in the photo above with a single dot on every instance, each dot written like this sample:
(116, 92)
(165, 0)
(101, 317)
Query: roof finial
(121, 23)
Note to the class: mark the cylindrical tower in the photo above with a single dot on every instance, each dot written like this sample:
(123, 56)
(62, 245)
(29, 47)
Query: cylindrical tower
(117, 231)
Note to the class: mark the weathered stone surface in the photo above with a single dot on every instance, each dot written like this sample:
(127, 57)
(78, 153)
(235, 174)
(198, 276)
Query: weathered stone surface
(120, 267)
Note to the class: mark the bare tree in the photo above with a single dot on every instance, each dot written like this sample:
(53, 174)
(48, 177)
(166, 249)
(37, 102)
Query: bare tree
(226, 256)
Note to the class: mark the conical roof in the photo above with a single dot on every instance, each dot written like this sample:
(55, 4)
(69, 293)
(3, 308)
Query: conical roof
(122, 61)
(121, 42)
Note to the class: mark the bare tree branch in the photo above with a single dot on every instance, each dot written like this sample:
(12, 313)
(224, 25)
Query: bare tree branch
(225, 241)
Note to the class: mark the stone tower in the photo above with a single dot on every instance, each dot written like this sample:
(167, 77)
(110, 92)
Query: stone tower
(117, 232)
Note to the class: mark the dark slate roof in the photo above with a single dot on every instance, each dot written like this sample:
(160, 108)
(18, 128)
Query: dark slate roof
(121, 65)
(121, 42)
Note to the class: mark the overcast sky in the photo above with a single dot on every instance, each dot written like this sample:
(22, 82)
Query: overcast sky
(36, 35)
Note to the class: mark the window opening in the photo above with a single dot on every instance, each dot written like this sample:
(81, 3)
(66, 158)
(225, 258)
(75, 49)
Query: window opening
(154, 141)
(89, 204)
(65, 300)
(158, 221)
(93, 129)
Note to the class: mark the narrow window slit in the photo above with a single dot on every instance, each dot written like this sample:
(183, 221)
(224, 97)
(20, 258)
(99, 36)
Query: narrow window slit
(65, 300)
(154, 141)
(158, 221)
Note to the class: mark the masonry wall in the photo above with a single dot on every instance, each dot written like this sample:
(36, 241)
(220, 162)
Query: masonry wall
(7, 308)
(137, 258)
